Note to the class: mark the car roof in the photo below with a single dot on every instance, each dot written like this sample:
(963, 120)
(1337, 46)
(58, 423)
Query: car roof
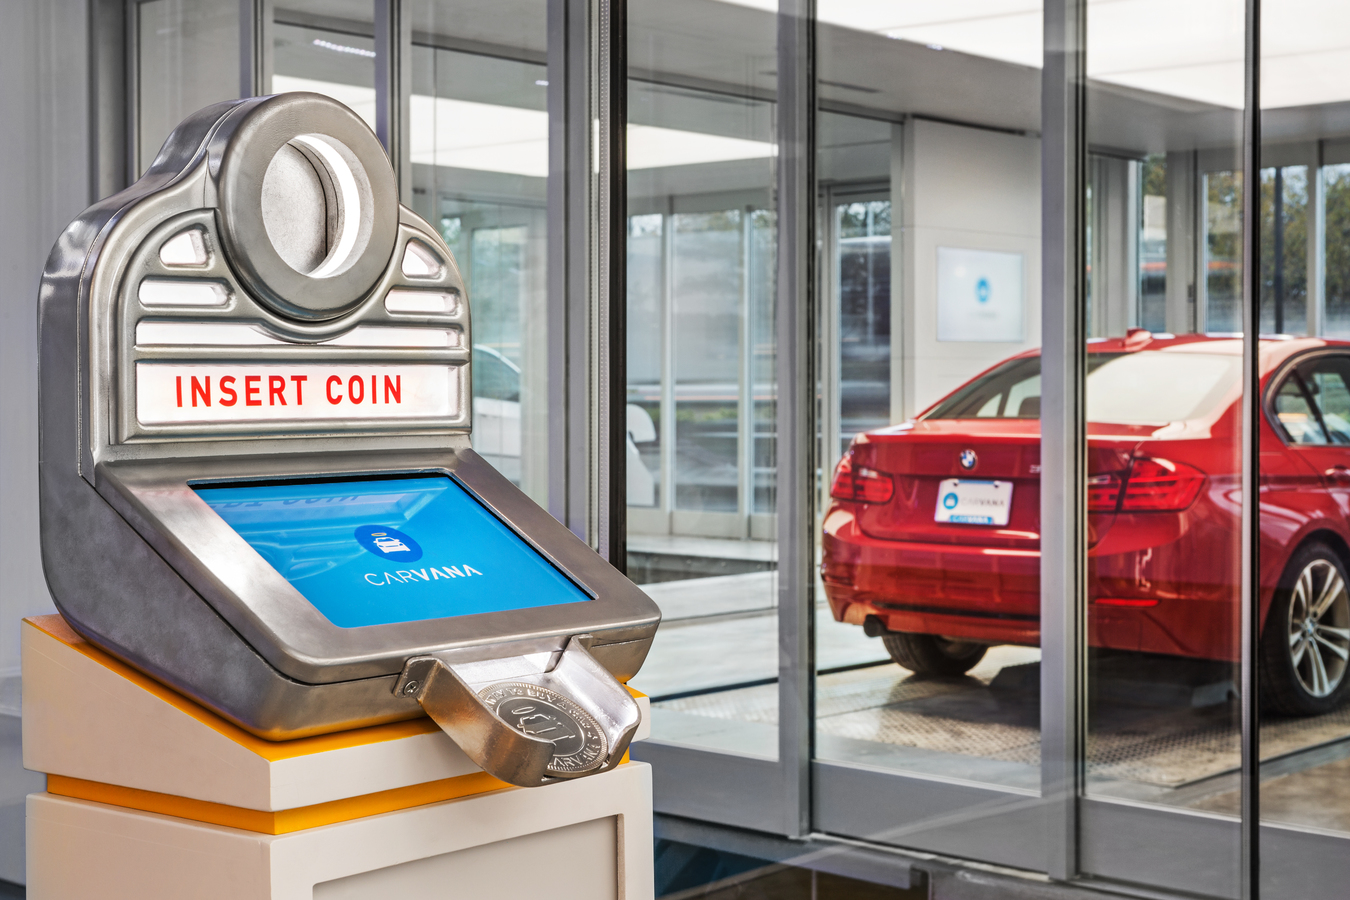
(1275, 348)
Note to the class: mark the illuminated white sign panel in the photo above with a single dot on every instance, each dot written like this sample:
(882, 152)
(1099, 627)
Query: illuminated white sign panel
(980, 296)
(173, 394)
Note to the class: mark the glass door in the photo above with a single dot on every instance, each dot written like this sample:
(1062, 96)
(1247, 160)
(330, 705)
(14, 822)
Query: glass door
(1305, 455)
(1162, 390)
(701, 401)
(927, 662)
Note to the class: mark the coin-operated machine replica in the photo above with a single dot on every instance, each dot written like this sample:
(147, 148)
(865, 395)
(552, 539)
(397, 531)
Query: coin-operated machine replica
(257, 485)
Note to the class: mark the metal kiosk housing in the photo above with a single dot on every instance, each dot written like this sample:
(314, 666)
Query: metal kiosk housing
(267, 233)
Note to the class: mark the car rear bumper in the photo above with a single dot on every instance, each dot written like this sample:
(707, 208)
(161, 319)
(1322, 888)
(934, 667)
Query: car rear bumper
(992, 595)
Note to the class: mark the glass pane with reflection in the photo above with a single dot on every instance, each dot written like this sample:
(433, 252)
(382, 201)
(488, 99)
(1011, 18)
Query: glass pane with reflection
(701, 381)
(187, 57)
(327, 47)
(1305, 451)
(479, 149)
(927, 644)
(1163, 396)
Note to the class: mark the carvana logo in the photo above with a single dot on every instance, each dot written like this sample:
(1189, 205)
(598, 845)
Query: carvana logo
(949, 501)
(982, 290)
(388, 543)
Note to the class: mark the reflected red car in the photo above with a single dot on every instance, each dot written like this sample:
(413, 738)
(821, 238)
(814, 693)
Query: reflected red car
(932, 538)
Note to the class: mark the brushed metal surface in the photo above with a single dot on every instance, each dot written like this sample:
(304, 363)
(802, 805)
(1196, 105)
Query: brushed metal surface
(456, 703)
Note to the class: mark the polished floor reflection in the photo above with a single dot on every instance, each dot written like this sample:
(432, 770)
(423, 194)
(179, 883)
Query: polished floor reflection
(787, 883)
(1166, 733)
(778, 882)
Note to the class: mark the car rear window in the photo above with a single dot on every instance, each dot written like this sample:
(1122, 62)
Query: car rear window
(1150, 387)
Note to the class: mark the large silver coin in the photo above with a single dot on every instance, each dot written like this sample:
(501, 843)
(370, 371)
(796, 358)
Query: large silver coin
(578, 743)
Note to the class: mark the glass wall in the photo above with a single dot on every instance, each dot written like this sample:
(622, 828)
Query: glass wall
(1305, 635)
(701, 381)
(1164, 462)
(1334, 185)
(187, 58)
(1284, 250)
(327, 47)
(927, 647)
(479, 153)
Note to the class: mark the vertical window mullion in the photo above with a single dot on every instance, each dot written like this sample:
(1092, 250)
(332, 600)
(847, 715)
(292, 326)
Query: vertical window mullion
(1317, 244)
(393, 88)
(610, 339)
(1251, 411)
(255, 47)
(570, 184)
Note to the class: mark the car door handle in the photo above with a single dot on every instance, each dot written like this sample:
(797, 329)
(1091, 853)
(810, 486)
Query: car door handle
(1339, 476)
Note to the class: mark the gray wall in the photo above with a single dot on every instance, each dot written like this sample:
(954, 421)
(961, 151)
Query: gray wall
(44, 158)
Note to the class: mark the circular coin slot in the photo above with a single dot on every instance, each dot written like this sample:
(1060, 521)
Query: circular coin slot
(308, 205)
(316, 205)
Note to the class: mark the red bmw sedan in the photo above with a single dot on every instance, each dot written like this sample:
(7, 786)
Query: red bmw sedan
(932, 538)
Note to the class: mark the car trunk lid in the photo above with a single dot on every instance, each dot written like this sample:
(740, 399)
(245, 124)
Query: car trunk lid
(920, 457)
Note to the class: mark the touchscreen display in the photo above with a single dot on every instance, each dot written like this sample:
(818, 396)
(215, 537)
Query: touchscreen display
(379, 551)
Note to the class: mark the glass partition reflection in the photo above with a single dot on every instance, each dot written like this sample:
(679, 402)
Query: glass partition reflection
(479, 150)
(327, 47)
(187, 58)
(1305, 439)
(1163, 395)
(701, 381)
(927, 656)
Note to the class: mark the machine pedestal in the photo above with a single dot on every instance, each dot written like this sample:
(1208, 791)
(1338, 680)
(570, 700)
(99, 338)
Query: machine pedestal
(151, 795)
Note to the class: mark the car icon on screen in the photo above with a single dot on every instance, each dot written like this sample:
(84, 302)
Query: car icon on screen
(389, 544)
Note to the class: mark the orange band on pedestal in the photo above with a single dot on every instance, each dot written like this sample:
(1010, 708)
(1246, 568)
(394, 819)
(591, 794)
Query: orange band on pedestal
(281, 821)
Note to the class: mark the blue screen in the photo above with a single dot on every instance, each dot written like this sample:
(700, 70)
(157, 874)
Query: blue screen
(376, 552)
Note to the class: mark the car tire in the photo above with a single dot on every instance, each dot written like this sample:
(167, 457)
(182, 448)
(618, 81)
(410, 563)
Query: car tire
(928, 654)
(1305, 644)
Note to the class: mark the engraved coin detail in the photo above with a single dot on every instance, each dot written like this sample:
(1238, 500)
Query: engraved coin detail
(578, 743)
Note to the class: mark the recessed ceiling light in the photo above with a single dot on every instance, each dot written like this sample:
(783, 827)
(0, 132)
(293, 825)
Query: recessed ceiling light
(343, 48)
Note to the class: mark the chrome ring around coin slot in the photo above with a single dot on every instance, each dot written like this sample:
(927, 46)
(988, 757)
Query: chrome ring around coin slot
(571, 721)
(308, 205)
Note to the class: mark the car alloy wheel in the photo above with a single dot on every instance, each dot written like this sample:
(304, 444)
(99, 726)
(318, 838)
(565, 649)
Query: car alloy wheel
(1306, 641)
(1319, 639)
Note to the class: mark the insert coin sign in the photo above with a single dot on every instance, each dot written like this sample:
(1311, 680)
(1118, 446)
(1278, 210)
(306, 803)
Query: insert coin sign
(578, 743)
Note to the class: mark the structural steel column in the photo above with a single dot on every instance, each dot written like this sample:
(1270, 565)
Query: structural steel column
(796, 369)
(1063, 437)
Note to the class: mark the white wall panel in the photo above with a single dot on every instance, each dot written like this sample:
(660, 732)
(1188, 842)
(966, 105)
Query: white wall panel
(967, 188)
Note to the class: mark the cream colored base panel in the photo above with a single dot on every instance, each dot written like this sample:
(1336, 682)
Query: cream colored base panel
(84, 720)
(589, 839)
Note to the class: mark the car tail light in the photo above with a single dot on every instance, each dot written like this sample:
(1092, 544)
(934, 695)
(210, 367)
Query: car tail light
(859, 483)
(1159, 484)
(1103, 493)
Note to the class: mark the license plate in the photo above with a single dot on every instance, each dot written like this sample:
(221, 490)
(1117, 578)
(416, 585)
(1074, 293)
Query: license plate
(968, 502)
